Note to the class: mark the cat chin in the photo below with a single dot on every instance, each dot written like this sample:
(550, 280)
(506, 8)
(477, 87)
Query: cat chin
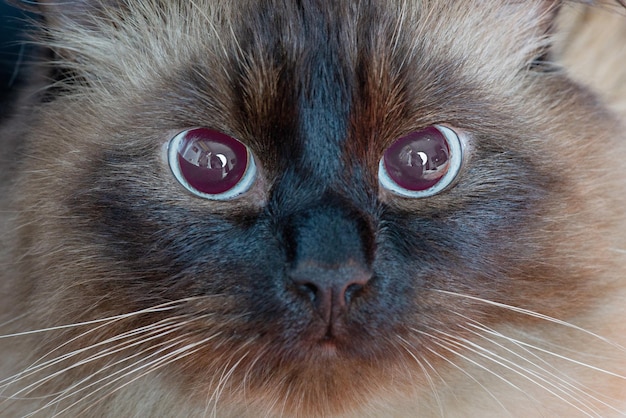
(529, 323)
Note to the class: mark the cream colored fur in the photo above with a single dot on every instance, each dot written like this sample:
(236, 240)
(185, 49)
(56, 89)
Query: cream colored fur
(542, 367)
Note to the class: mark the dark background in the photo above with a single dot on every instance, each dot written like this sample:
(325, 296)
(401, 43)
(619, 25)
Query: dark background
(14, 53)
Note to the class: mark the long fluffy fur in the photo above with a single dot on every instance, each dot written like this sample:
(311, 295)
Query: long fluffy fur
(518, 305)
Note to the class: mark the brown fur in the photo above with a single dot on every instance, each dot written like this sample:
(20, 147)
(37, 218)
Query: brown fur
(517, 308)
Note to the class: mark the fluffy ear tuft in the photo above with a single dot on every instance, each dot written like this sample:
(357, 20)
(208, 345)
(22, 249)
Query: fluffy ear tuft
(606, 4)
(545, 14)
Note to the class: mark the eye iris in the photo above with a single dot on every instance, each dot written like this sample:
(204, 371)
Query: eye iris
(210, 161)
(419, 160)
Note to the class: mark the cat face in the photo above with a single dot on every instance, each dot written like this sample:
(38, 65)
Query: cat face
(316, 287)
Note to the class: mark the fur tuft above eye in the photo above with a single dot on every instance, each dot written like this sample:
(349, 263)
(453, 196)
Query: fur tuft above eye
(211, 164)
(422, 163)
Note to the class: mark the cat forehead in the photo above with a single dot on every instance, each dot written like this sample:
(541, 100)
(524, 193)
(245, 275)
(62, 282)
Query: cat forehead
(315, 76)
(131, 43)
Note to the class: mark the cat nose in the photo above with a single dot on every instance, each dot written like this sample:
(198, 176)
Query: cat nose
(330, 289)
(330, 251)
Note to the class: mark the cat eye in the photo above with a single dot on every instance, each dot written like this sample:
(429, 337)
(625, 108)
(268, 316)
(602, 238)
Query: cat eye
(211, 164)
(422, 163)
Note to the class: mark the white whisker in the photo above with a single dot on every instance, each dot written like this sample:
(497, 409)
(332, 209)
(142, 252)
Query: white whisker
(103, 323)
(559, 356)
(105, 348)
(163, 357)
(12, 320)
(143, 355)
(159, 308)
(37, 366)
(555, 373)
(534, 315)
(225, 376)
(466, 373)
(553, 388)
(407, 347)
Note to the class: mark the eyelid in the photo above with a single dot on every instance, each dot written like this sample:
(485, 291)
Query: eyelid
(458, 144)
(236, 186)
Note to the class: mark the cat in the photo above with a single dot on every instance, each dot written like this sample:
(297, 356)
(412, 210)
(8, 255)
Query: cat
(313, 208)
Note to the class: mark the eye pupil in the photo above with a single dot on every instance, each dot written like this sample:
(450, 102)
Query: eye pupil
(210, 163)
(419, 160)
(421, 163)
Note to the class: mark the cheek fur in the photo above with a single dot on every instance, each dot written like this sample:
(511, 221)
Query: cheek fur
(320, 295)
(227, 275)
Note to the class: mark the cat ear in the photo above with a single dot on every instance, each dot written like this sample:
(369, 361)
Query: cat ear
(552, 7)
(546, 11)
(77, 38)
(609, 3)
(548, 14)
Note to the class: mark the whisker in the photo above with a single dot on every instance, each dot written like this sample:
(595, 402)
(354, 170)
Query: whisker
(550, 387)
(261, 352)
(12, 320)
(534, 315)
(407, 347)
(37, 366)
(549, 319)
(211, 25)
(577, 395)
(556, 373)
(87, 382)
(168, 306)
(466, 373)
(153, 366)
(225, 376)
(125, 372)
(143, 355)
(121, 342)
(477, 325)
(104, 322)
(141, 339)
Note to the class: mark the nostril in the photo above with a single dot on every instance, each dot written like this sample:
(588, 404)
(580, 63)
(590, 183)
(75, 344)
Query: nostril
(308, 290)
(330, 290)
(353, 290)
(343, 295)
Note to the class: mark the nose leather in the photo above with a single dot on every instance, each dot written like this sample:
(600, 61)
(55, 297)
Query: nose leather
(330, 288)
(330, 246)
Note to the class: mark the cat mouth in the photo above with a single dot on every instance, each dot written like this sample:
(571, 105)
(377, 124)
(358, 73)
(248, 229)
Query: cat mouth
(334, 335)
(329, 302)
(327, 337)
(328, 347)
(335, 338)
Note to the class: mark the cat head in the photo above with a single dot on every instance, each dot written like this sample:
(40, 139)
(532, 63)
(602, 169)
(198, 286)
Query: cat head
(325, 279)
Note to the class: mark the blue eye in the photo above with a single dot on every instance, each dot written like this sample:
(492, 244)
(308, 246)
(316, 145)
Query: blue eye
(211, 164)
(422, 163)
